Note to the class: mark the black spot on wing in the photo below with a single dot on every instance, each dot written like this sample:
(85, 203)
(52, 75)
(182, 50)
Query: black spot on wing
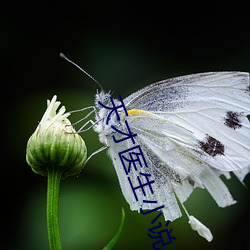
(191, 181)
(212, 146)
(233, 119)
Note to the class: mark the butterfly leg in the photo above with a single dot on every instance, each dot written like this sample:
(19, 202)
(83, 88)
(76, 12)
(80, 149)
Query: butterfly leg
(92, 154)
(81, 129)
(86, 116)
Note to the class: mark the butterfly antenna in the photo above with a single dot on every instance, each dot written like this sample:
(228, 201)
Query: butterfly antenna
(86, 73)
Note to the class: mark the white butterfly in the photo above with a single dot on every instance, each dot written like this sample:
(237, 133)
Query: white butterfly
(191, 130)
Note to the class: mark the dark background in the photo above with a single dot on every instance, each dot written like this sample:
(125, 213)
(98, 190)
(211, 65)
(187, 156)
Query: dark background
(125, 45)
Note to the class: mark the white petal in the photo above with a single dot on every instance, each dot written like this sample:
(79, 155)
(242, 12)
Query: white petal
(51, 114)
(200, 228)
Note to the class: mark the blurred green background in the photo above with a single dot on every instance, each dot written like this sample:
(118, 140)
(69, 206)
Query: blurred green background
(125, 47)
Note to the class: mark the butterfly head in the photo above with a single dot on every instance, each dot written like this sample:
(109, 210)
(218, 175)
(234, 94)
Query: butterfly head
(104, 121)
(103, 97)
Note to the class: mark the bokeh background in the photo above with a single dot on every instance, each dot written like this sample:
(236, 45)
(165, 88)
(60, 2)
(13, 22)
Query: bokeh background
(125, 45)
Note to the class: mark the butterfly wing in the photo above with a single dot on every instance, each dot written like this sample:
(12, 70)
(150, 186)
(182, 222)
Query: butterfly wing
(211, 106)
(190, 129)
(162, 189)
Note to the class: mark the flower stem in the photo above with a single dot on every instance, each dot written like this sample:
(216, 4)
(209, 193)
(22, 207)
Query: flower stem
(54, 177)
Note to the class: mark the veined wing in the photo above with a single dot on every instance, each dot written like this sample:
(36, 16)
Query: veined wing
(171, 154)
(176, 93)
(209, 108)
(175, 170)
(162, 189)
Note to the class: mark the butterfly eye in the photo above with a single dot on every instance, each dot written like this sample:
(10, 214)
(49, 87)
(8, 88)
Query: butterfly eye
(106, 100)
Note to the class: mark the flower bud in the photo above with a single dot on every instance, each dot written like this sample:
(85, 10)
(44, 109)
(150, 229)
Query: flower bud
(55, 144)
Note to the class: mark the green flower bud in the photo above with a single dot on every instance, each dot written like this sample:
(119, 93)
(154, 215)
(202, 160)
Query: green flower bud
(55, 144)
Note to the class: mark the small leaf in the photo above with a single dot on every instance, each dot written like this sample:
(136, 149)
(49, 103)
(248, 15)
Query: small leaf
(117, 234)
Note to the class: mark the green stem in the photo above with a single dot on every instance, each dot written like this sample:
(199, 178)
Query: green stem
(54, 177)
